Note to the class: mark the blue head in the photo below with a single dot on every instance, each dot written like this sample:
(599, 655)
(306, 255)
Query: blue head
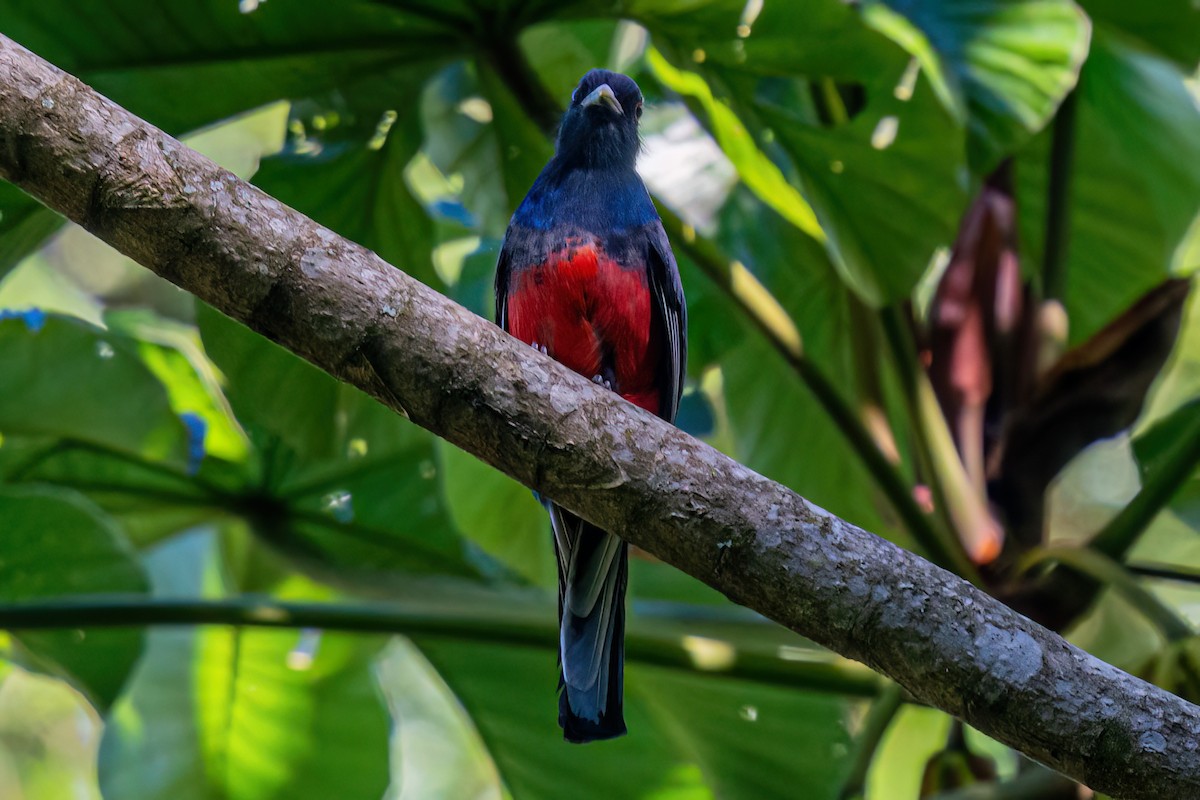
(600, 129)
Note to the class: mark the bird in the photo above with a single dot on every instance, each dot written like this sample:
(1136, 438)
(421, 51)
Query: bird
(586, 276)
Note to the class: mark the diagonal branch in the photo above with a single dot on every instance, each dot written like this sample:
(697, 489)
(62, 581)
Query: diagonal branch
(348, 312)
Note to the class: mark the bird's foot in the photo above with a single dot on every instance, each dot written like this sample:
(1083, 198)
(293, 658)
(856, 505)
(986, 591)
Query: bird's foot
(600, 379)
(541, 348)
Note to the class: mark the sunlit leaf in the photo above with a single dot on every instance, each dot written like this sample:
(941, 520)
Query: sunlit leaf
(244, 714)
(758, 172)
(172, 352)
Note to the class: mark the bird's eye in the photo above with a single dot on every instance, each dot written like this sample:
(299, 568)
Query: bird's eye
(638, 110)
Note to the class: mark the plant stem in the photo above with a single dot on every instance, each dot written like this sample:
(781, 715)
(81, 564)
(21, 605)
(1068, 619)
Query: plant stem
(961, 514)
(249, 611)
(1165, 572)
(1104, 571)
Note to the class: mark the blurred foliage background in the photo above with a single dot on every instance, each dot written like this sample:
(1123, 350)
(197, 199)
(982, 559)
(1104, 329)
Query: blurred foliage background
(937, 258)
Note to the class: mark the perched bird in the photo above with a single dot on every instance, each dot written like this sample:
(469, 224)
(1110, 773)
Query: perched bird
(586, 275)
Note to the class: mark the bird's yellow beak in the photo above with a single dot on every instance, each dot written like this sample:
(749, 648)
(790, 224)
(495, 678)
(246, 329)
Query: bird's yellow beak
(603, 95)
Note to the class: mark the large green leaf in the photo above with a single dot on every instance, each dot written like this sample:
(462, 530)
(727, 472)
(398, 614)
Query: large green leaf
(98, 390)
(54, 545)
(692, 736)
(751, 740)
(1015, 61)
(782, 432)
(496, 512)
(236, 714)
(881, 185)
(1136, 187)
(149, 502)
(127, 417)
(184, 66)
(813, 38)
(1170, 26)
(476, 132)
(887, 187)
(171, 350)
(756, 170)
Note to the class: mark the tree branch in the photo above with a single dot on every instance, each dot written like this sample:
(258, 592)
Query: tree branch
(342, 308)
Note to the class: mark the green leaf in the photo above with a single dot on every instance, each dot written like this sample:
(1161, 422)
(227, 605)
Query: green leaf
(523, 148)
(1014, 59)
(782, 432)
(1136, 187)
(55, 544)
(774, 419)
(887, 186)
(750, 740)
(187, 66)
(1156, 447)
(242, 714)
(562, 51)
(497, 513)
(1172, 27)
(24, 225)
(98, 390)
(883, 187)
(464, 148)
(433, 732)
(510, 694)
(759, 173)
(691, 736)
(1179, 380)
(911, 740)
(815, 38)
(149, 501)
(277, 391)
(172, 351)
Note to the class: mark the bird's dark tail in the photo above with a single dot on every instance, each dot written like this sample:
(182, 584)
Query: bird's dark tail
(593, 570)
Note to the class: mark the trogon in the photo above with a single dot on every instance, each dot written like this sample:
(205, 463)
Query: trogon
(586, 276)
